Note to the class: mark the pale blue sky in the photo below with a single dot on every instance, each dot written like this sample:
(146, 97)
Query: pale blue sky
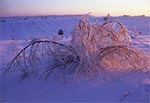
(97, 7)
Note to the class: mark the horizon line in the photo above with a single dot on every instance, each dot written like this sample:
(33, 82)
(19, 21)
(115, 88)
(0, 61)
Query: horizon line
(1, 16)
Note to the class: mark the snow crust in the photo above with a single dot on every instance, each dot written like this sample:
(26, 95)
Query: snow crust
(16, 32)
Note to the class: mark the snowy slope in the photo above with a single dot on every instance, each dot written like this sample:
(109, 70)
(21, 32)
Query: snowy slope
(35, 26)
(16, 32)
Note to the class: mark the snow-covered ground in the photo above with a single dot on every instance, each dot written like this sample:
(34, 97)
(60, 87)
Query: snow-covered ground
(16, 32)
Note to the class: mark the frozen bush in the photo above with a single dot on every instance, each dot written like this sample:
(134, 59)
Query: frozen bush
(25, 18)
(106, 17)
(60, 32)
(95, 50)
(3, 20)
(105, 47)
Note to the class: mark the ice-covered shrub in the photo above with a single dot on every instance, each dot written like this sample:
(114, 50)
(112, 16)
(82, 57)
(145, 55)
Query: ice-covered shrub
(25, 18)
(106, 47)
(60, 32)
(106, 17)
(95, 50)
(3, 20)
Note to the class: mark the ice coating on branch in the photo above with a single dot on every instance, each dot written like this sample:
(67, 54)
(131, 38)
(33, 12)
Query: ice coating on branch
(106, 47)
(95, 49)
